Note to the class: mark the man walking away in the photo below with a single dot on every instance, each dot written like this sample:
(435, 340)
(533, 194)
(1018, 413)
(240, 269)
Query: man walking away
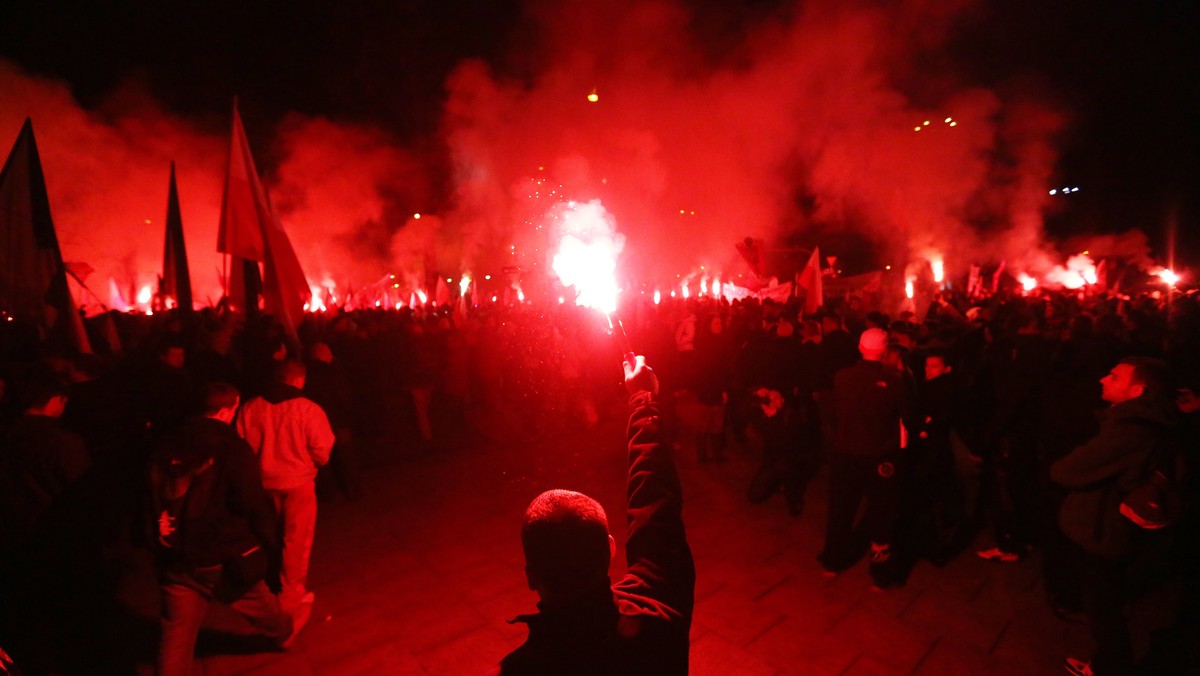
(214, 532)
(292, 438)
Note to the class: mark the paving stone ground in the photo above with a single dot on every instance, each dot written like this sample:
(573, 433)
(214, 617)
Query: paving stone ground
(420, 576)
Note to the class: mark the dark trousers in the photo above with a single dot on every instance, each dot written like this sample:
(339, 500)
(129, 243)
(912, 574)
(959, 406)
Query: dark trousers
(853, 479)
(185, 599)
(1016, 500)
(1102, 587)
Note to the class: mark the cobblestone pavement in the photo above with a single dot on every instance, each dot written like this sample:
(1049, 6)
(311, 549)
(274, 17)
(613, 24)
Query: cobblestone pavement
(420, 576)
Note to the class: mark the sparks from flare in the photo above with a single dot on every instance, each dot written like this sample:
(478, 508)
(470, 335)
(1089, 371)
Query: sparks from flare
(587, 254)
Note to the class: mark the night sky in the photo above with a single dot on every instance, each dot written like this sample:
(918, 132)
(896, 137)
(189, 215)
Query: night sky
(1123, 75)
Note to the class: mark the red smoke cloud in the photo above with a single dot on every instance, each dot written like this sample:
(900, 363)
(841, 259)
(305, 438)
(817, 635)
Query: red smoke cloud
(806, 104)
(336, 186)
(804, 122)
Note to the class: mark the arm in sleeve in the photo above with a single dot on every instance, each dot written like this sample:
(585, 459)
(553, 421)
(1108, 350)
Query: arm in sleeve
(1104, 457)
(656, 548)
(247, 497)
(319, 434)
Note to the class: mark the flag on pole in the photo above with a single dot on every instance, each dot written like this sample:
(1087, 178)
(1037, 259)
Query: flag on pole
(996, 276)
(33, 279)
(252, 232)
(244, 202)
(752, 252)
(811, 282)
(176, 282)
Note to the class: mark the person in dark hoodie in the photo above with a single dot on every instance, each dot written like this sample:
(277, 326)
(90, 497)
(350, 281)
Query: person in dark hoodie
(214, 532)
(870, 401)
(1098, 476)
(639, 625)
(292, 437)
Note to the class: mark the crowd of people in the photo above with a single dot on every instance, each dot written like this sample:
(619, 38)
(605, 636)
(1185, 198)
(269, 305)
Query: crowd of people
(1029, 419)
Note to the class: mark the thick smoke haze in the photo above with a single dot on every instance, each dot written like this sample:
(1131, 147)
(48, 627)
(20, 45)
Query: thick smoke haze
(107, 169)
(799, 129)
(825, 118)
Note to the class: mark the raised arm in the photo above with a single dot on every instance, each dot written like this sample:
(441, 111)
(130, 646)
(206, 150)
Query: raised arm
(660, 565)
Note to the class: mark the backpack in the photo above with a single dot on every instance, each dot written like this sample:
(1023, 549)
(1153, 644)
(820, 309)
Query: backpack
(1156, 502)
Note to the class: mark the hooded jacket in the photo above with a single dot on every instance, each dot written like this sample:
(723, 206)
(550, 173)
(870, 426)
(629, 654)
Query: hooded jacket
(1100, 473)
(208, 504)
(289, 433)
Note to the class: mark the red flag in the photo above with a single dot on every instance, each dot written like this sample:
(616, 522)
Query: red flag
(33, 279)
(996, 276)
(244, 203)
(811, 282)
(251, 231)
(751, 250)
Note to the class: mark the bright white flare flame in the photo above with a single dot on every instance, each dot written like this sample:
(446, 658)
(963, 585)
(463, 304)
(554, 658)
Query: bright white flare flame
(686, 292)
(657, 296)
(145, 295)
(422, 296)
(317, 302)
(704, 286)
(908, 288)
(1028, 283)
(520, 295)
(939, 270)
(1168, 276)
(1079, 272)
(464, 284)
(587, 256)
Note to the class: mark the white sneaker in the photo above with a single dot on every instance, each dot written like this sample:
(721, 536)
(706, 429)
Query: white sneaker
(300, 618)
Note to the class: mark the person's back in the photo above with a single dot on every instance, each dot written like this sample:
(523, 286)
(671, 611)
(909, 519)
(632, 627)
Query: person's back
(289, 432)
(641, 624)
(869, 401)
(292, 438)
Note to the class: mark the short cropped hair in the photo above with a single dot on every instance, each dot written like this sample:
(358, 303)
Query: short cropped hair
(218, 396)
(1152, 374)
(38, 390)
(565, 538)
(290, 369)
(940, 353)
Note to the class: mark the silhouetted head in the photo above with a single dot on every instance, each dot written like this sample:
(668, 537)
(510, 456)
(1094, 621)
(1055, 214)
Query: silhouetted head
(291, 372)
(567, 544)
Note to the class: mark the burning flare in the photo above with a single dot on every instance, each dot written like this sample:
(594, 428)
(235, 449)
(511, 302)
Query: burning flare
(908, 288)
(939, 269)
(1027, 283)
(587, 256)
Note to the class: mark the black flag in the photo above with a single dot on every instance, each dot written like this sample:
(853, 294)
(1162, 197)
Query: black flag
(33, 280)
(176, 283)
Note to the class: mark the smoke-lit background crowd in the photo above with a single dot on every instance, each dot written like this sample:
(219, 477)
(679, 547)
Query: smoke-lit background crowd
(996, 391)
